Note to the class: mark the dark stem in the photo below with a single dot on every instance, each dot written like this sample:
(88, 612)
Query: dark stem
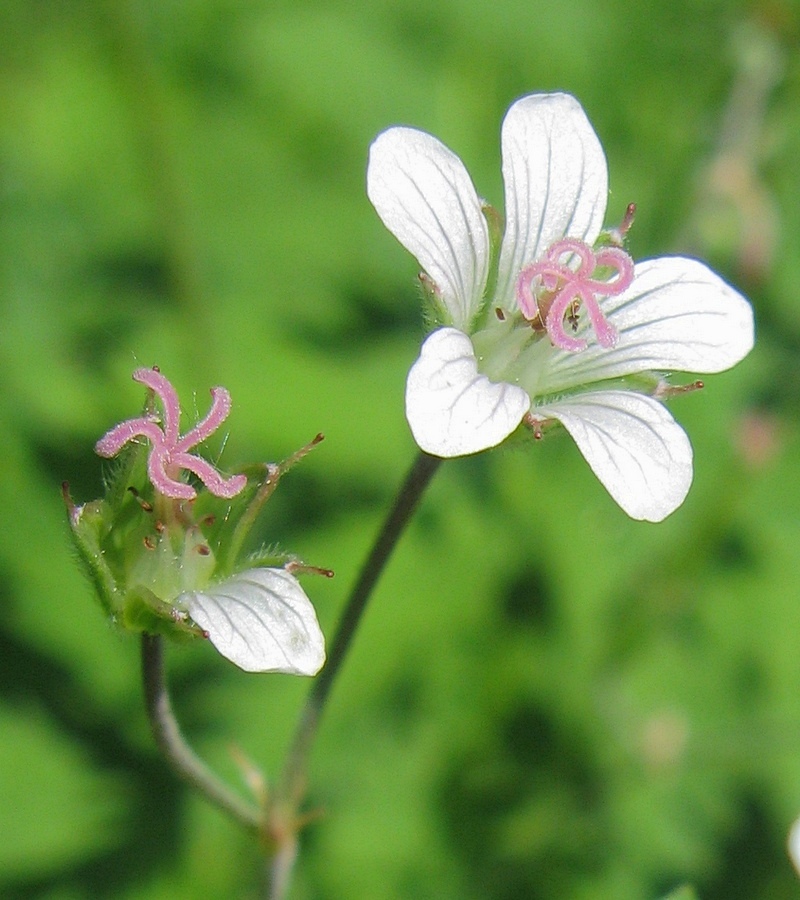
(172, 744)
(292, 784)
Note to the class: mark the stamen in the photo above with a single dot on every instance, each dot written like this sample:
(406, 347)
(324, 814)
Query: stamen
(294, 566)
(571, 286)
(537, 426)
(146, 505)
(627, 219)
(665, 390)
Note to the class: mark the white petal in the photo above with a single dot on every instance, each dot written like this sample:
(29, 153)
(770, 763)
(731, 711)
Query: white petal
(556, 181)
(452, 409)
(794, 845)
(425, 197)
(261, 620)
(633, 445)
(677, 316)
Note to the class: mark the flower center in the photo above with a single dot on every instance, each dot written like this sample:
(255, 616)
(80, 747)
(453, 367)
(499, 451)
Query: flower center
(554, 289)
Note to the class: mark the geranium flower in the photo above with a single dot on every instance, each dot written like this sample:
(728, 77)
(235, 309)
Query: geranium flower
(563, 326)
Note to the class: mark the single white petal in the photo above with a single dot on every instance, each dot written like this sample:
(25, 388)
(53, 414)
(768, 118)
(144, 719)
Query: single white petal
(677, 316)
(452, 409)
(425, 197)
(261, 620)
(556, 182)
(634, 446)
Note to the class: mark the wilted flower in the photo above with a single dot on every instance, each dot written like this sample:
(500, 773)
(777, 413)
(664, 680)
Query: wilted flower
(164, 560)
(563, 326)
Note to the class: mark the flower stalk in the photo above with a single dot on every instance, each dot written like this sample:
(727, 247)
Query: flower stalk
(290, 790)
(169, 739)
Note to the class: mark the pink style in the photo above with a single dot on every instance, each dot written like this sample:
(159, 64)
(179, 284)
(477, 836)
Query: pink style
(169, 450)
(565, 287)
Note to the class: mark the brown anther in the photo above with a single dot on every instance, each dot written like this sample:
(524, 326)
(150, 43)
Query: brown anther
(627, 219)
(147, 507)
(572, 316)
(500, 314)
(537, 323)
(537, 426)
(159, 526)
(203, 549)
(675, 390)
(301, 568)
(534, 424)
(617, 235)
(687, 388)
(208, 520)
(149, 543)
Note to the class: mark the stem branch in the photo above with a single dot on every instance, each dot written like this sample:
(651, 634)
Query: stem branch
(173, 745)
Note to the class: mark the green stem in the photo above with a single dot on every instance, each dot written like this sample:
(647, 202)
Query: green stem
(173, 745)
(291, 788)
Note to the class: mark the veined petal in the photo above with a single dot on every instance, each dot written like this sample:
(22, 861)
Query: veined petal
(634, 446)
(452, 409)
(556, 182)
(261, 620)
(425, 197)
(677, 316)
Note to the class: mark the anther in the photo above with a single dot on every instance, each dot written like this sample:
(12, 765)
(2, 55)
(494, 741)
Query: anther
(147, 507)
(665, 390)
(627, 219)
(301, 568)
(535, 425)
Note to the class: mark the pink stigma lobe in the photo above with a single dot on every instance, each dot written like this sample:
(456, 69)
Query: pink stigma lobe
(552, 289)
(168, 450)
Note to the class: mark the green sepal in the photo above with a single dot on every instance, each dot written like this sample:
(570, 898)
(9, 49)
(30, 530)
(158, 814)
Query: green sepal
(145, 612)
(88, 527)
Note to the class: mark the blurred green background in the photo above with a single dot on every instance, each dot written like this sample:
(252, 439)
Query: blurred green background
(546, 700)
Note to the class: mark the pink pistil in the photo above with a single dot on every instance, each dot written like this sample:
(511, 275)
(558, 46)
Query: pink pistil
(570, 285)
(169, 451)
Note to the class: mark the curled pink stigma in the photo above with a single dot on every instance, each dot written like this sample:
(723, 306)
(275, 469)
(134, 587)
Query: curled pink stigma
(570, 286)
(168, 450)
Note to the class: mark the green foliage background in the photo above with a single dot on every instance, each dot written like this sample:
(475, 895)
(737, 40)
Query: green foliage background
(546, 700)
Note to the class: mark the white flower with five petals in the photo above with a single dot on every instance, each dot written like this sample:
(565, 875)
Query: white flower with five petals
(504, 353)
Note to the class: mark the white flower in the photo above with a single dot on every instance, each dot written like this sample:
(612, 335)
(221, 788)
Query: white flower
(261, 620)
(571, 329)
